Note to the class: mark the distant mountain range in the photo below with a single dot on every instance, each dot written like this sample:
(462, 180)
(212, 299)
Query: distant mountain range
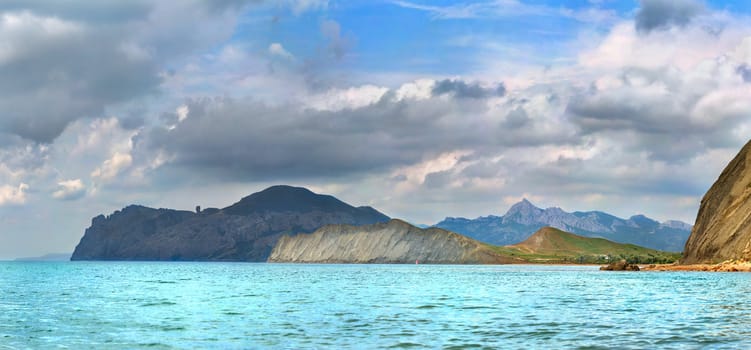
(48, 257)
(524, 218)
(244, 231)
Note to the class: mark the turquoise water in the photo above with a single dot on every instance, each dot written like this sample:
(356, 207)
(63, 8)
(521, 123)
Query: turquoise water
(235, 305)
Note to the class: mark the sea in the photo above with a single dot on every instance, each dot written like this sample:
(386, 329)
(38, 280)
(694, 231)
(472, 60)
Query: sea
(181, 305)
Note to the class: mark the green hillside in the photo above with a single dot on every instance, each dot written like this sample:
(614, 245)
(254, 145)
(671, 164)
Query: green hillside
(550, 245)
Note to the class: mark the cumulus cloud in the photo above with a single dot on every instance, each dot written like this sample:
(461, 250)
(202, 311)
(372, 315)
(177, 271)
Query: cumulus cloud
(277, 49)
(20, 158)
(352, 97)
(113, 166)
(10, 195)
(671, 95)
(53, 75)
(461, 89)
(661, 14)
(745, 72)
(69, 190)
(254, 140)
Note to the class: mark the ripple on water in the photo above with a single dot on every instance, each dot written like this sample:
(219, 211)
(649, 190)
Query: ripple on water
(158, 303)
(186, 305)
(464, 346)
(406, 345)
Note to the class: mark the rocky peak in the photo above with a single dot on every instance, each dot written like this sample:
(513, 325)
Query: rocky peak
(285, 199)
(523, 212)
(678, 225)
(643, 221)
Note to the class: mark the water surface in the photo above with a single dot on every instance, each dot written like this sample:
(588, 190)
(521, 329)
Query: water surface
(236, 305)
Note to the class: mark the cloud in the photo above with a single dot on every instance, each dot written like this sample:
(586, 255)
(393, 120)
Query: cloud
(20, 159)
(461, 89)
(69, 190)
(277, 49)
(53, 74)
(666, 124)
(454, 11)
(438, 179)
(300, 6)
(507, 8)
(253, 140)
(353, 97)
(662, 14)
(338, 45)
(10, 195)
(110, 168)
(517, 118)
(745, 72)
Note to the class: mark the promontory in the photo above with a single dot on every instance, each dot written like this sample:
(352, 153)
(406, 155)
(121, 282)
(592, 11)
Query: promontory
(244, 231)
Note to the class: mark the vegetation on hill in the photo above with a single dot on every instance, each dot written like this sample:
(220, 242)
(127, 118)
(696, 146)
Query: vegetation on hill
(550, 245)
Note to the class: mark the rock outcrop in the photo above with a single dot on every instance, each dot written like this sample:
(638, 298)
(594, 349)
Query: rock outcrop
(392, 242)
(244, 231)
(620, 266)
(723, 224)
(524, 218)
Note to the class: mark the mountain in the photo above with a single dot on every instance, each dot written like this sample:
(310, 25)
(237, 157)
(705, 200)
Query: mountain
(550, 244)
(401, 243)
(48, 257)
(723, 224)
(524, 218)
(392, 242)
(244, 231)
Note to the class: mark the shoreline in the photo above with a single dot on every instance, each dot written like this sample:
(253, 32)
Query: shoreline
(726, 266)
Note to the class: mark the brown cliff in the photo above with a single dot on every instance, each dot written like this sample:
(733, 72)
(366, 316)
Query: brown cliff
(723, 225)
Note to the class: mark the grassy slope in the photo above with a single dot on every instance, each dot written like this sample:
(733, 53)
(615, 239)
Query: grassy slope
(553, 245)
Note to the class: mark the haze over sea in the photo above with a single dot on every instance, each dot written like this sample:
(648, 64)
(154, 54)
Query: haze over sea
(243, 305)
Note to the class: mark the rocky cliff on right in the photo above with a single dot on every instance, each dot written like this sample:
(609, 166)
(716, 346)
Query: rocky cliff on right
(723, 224)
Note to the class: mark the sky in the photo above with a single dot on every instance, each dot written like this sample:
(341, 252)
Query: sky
(421, 109)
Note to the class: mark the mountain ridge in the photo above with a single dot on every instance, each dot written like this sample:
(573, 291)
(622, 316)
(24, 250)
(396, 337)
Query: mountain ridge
(524, 218)
(402, 243)
(393, 242)
(244, 231)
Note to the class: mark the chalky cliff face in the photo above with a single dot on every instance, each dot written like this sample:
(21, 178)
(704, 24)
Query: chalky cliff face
(723, 224)
(245, 231)
(392, 242)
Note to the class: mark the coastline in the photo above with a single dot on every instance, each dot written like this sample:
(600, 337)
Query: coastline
(725, 266)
